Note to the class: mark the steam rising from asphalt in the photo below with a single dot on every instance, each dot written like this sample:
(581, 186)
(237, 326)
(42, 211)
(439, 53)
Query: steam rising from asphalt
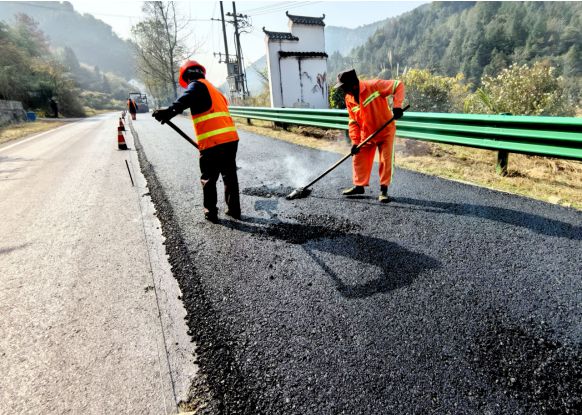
(290, 170)
(297, 171)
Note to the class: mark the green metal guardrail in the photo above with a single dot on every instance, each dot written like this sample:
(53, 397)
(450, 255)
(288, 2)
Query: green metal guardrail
(559, 137)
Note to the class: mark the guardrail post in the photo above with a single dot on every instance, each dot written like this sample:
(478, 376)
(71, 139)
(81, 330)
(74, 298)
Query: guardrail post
(249, 122)
(502, 158)
(502, 161)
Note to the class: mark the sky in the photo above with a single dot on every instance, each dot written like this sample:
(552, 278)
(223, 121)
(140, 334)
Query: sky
(206, 33)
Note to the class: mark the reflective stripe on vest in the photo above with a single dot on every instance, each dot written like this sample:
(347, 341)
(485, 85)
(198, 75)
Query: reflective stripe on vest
(394, 85)
(356, 108)
(215, 126)
(371, 98)
(215, 132)
(210, 116)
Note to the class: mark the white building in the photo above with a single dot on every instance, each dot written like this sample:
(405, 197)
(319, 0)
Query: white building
(297, 64)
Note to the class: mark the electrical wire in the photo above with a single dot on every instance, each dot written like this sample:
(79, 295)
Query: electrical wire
(280, 9)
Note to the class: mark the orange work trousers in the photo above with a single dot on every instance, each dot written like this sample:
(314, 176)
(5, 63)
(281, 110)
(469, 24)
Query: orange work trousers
(364, 160)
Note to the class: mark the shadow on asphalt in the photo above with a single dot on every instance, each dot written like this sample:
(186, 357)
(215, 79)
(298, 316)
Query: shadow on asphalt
(399, 266)
(536, 223)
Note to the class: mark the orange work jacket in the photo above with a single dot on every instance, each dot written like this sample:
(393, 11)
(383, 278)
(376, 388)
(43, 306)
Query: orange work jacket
(214, 126)
(373, 111)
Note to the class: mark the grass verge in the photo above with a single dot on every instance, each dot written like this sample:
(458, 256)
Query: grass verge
(15, 131)
(551, 180)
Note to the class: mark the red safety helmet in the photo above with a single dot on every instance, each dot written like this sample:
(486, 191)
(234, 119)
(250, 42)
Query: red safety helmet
(187, 65)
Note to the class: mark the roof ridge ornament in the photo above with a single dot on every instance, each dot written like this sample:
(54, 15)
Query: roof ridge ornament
(307, 20)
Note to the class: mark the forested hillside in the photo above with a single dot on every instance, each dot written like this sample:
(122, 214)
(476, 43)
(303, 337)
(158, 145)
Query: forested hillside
(33, 71)
(92, 40)
(475, 39)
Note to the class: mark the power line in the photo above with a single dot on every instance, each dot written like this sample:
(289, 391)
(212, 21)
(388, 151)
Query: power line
(282, 8)
(263, 8)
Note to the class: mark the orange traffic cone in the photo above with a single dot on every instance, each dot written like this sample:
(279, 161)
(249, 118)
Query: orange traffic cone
(121, 124)
(121, 139)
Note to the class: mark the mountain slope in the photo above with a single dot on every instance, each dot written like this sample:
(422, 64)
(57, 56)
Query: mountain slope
(474, 38)
(93, 42)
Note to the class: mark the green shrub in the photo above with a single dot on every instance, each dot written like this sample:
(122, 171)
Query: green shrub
(522, 90)
(434, 93)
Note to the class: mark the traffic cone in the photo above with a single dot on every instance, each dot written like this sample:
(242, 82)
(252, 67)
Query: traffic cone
(121, 139)
(121, 124)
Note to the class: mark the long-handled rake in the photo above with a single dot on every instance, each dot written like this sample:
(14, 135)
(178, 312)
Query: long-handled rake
(182, 133)
(305, 191)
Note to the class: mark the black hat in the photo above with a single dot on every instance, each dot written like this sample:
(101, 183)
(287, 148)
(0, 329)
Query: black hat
(348, 77)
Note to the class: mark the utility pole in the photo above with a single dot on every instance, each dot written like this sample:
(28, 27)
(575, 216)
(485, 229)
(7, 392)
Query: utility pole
(236, 77)
(231, 62)
(224, 31)
(241, 69)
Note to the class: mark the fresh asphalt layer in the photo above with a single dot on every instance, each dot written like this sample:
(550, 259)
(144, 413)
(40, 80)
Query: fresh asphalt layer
(450, 299)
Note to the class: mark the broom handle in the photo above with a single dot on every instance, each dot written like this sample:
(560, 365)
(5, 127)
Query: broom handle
(350, 154)
(182, 133)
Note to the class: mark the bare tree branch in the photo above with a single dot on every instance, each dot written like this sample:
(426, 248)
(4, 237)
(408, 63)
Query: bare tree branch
(161, 46)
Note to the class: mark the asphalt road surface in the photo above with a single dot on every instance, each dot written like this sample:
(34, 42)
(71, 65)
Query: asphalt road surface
(451, 299)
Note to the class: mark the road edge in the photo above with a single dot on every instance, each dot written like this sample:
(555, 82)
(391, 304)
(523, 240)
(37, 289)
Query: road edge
(175, 345)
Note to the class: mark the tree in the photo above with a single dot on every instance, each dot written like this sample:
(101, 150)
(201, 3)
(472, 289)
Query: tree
(29, 36)
(160, 42)
(433, 93)
(336, 97)
(70, 60)
(521, 90)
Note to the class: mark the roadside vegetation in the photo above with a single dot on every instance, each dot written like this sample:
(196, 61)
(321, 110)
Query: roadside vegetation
(16, 131)
(33, 71)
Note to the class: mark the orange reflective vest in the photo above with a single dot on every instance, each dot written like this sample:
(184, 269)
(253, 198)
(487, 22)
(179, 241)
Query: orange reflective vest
(214, 126)
(366, 116)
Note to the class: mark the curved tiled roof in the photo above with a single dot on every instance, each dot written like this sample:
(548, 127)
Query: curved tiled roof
(280, 35)
(303, 54)
(318, 21)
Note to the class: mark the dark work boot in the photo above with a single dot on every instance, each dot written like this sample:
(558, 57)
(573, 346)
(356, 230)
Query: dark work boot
(356, 190)
(384, 198)
(211, 216)
(234, 215)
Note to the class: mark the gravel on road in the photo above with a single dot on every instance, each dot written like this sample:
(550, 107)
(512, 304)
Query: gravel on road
(450, 299)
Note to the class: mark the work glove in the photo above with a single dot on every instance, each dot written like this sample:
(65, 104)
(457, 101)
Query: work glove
(398, 113)
(163, 115)
(355, 150)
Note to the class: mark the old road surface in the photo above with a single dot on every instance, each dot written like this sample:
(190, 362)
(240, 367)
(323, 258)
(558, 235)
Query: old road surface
(90, 322)
(451, 299)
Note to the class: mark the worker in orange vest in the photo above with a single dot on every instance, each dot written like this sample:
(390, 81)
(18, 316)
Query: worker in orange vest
(368, 110)
(132, 107)
(216, 135)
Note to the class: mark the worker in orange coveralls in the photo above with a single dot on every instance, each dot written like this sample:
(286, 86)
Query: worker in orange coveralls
(132, 107)
(368, 110)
